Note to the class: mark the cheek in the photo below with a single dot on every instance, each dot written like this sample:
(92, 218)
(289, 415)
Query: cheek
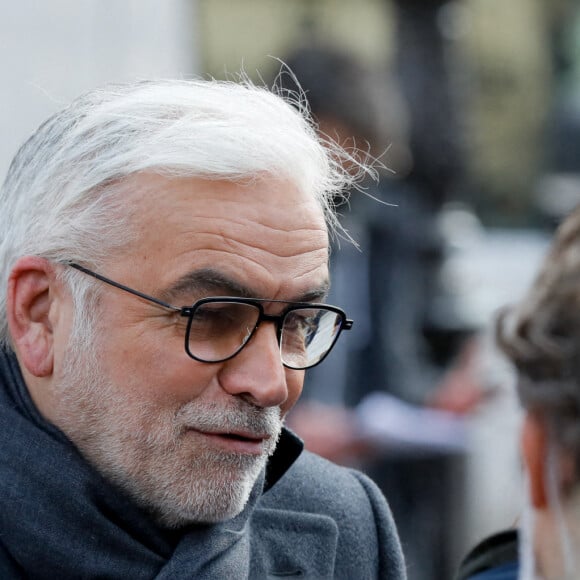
(294, 382)
(159, 371)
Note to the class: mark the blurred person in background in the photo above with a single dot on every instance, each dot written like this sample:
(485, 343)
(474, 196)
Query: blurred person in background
(388, 282)
(541, 337)
(163, 267)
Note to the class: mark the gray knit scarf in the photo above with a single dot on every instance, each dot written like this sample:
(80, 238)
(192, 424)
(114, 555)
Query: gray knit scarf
(60, 519)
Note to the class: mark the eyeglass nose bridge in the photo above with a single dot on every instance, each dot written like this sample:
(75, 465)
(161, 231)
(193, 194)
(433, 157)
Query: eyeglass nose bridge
(276, 319)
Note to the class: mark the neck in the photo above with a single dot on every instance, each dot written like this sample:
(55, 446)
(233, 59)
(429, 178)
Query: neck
(554, 528)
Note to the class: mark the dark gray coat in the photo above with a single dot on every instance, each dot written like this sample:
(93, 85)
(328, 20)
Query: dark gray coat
(328, 522)
(60, 519)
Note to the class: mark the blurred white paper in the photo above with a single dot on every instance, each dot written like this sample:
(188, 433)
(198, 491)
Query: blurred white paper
(400, 427)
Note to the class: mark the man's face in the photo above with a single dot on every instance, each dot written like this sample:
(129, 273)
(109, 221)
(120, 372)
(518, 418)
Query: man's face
(187, 439)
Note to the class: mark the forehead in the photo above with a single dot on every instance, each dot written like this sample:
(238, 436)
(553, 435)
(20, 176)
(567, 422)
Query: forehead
(264, 234)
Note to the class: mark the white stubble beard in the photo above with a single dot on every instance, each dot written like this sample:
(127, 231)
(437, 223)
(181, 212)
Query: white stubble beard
(149, 453)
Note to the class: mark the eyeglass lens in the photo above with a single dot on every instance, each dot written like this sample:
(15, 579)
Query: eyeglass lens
(218, 330)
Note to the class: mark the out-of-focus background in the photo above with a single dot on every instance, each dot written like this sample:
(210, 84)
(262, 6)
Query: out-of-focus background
(474, 108)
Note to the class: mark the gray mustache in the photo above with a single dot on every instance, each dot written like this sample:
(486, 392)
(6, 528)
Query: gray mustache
(212, 417)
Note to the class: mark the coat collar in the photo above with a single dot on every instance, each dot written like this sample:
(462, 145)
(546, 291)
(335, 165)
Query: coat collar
(289, 448)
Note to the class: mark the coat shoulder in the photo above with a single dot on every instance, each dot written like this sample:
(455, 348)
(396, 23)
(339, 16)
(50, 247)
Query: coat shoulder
(365, 525)
(316, 484)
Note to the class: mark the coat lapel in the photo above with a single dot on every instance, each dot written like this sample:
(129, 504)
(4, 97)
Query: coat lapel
(292, 544)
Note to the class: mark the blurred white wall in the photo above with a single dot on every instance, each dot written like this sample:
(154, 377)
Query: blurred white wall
(52, 51)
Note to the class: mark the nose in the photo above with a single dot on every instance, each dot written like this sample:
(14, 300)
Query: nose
(257, 373)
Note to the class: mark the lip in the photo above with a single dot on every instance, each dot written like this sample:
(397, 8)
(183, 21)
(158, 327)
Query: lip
(234, 441)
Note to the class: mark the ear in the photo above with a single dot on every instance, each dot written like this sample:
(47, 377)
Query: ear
(534, 447)
(28, 308)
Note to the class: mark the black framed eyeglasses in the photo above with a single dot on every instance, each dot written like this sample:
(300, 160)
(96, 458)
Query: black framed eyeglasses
(219, 327)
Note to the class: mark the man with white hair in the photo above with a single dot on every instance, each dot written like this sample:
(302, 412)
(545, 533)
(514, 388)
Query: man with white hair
(541, 336)
(163, 264)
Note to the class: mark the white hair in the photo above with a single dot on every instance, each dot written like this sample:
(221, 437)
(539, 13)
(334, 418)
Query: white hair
(61, 199)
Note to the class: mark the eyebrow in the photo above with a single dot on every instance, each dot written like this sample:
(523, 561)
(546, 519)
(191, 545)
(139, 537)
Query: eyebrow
(210, 281)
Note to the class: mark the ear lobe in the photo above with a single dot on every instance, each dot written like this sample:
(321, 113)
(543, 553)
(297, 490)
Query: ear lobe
(28, 308)
(534, 445)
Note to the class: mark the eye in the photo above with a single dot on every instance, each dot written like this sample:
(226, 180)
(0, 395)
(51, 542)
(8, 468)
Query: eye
(215, 318)
(301, 322)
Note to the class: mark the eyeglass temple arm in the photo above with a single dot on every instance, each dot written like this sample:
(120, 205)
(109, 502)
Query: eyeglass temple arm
(125, 288)
(185, 311)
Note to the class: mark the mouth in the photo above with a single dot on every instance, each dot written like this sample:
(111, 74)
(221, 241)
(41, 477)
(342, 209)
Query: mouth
(242, 437)
(234, 441)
